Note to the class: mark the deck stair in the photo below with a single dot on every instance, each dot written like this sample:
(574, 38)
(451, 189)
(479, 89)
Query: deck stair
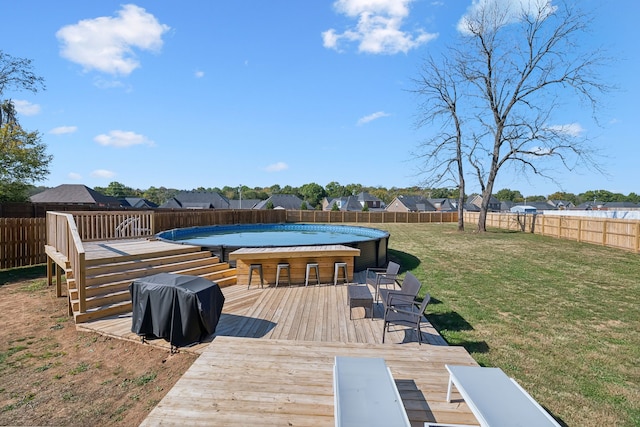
(108, 280)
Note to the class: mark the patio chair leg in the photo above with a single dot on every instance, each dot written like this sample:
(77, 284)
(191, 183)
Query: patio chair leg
(384, 329)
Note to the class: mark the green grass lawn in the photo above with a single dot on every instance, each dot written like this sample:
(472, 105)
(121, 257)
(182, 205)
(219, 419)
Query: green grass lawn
(561, 317)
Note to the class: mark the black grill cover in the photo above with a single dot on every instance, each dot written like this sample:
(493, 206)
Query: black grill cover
(182, 309)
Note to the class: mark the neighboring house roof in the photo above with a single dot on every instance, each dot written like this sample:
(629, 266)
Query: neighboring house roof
(75, 194)
(471, 208)
(561, 204)
(366, 197)
(282, 201)
(246, 203)
(596, 204)
(137, 202)
(621, 205)
(413, 203)
(506, 205)
(196, 200)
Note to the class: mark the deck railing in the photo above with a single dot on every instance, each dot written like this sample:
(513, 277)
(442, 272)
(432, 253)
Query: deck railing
(109, 225)
(63, 240)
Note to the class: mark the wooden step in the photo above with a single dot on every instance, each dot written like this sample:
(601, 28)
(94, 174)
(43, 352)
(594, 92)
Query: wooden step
(103, 311)
(147, 271)
(211, 272)
(179, 249)
(103, 299)
(147, 262)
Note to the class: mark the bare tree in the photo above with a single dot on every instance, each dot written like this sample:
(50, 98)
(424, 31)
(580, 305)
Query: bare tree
(515, 69)
(442, 154)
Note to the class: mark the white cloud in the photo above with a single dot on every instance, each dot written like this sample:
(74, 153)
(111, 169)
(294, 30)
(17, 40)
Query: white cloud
(277, 167)
(372, 117)
(107, 43)
(102, 173)
(25, 107)
(61, 130)
(378, 29)
(74, 176)
(120, 138)
(571, 129)
(199, 74)
(511, 10)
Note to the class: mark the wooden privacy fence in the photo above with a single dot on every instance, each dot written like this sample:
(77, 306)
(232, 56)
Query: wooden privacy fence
(614, 233)
(22, 242)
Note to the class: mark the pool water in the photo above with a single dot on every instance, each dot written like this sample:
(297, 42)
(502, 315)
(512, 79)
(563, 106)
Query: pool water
(264, 235)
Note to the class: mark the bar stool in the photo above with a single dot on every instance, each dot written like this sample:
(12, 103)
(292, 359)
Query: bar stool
(311, 265)
(255, 267)
(336, 271)
(283, 267)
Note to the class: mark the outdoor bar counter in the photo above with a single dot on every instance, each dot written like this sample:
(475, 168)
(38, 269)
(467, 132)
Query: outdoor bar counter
(297, 257)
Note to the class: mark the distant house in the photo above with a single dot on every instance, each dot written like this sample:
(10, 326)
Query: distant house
(621, 206)
(137, 202)
(371, 202)
(196, 200)
(444, 205)
(505, 205)
(494, 204)
(349, 203)
(523, 209)
(592, 205)
(561, 204)
(74, 194)
(541, 206)
(410, 204)
(281, 201)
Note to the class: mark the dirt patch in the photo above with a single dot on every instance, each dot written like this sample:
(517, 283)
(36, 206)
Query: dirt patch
(52, 374)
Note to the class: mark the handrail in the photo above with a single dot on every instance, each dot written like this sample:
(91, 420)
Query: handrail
(63, 236)
(106, 225)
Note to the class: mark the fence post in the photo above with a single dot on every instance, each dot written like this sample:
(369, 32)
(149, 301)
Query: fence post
(637, 240)
(579, 229)
(604, 233)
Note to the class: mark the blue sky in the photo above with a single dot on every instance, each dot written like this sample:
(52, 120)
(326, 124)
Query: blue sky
(210, 93)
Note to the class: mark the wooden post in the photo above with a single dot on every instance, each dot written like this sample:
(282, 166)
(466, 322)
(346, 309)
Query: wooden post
(604, 232)
(49, 271)
(637, 238)
(579, 229)
(58, 280)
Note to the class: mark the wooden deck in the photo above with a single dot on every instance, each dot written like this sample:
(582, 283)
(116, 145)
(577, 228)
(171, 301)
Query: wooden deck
(299, 313)
(270, 361)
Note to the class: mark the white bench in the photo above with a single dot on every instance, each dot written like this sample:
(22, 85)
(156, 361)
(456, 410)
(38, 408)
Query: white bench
(365, 394)
(495, 399)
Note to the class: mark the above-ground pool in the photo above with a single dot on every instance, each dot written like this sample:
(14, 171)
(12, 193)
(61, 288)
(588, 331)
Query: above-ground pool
(223, 239)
